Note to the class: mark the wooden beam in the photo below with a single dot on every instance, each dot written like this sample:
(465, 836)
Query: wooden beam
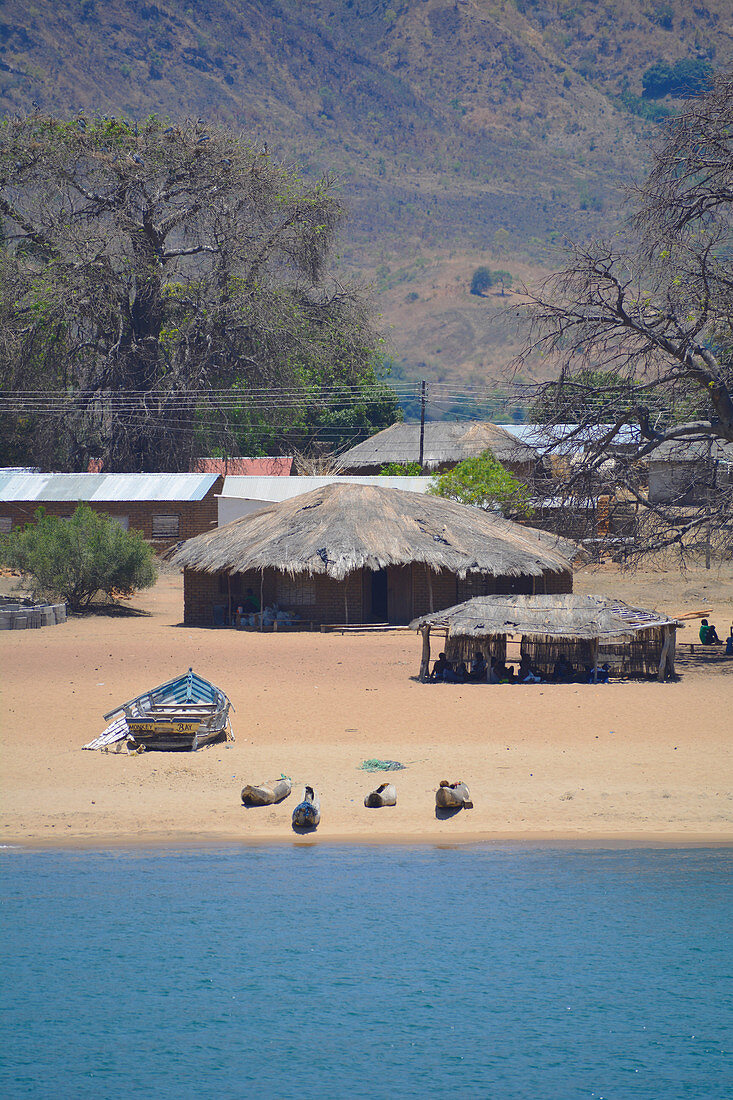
(425, 660)
(663, 657)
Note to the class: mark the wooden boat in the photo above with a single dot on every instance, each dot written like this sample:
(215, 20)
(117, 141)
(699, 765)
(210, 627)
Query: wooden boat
(453, 796)
(181, 715)
(266, 794)
(307, 814)
(385, 795)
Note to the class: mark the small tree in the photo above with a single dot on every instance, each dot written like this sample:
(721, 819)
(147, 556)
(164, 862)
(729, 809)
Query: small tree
(481, 281)
(484, 483)
(77, 558)
(504, 278)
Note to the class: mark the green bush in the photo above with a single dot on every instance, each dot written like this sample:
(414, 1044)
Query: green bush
(401, 469)
(78, 558)
(484, 483)
(685, 77)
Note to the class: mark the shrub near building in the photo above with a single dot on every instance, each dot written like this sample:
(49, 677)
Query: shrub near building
(79, 557)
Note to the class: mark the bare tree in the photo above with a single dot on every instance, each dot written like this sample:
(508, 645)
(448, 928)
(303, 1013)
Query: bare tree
(643, 337)
(157, 282)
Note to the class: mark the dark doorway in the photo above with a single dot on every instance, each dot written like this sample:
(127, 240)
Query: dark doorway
(379, 596)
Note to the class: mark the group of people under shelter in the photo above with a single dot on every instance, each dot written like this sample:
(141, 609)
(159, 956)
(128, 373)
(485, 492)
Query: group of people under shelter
(709, 636)
(497, 671)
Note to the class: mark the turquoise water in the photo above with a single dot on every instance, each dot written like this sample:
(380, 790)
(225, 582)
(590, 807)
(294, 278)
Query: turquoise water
(501, 972)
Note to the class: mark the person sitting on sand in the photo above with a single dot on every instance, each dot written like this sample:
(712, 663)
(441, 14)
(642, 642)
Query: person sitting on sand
(708, 634)
(729, 644)
(479, 668)
(563, 671)
(439, 668)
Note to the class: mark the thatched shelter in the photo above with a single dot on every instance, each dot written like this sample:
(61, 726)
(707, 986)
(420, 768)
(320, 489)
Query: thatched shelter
(445, 443)
(587, 630)
(348, 553)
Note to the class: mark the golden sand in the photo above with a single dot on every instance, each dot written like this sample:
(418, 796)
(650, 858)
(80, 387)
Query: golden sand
(625, 762)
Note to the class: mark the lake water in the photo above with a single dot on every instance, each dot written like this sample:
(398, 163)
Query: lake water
(319, 971)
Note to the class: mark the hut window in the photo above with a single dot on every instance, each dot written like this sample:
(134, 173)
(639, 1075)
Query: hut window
(6, 525)
(124, 522)
(165, 527)
(296, 592)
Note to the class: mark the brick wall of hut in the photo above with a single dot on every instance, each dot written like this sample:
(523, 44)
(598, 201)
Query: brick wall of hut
(212, 598)
(194, 516)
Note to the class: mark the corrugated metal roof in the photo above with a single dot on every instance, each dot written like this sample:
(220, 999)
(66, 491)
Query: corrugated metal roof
(274, 489)
(102, 488)
(568, 437)
(269, 466)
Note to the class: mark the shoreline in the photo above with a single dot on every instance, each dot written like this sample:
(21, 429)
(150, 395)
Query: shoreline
(190, 842)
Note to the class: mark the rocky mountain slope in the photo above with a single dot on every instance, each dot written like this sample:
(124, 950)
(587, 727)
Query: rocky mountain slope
(458, 129)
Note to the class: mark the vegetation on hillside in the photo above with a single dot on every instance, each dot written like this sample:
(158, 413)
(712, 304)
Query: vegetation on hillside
(446, 122)
(165, 291)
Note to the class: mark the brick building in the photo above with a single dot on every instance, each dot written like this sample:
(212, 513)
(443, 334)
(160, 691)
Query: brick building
(347, 553)
(166, 508)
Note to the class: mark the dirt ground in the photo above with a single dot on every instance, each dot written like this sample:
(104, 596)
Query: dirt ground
(639, 762)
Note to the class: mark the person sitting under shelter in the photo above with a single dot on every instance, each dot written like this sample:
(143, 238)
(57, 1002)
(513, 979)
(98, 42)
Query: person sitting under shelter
(563, 671)
(460, 673)
(439, 669)
(479, 668)
(527, 674)
(708, 634)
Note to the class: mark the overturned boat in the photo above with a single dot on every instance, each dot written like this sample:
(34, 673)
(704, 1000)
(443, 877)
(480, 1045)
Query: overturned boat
(453, 796)
(179, 716)
(307, 814)
(266, 794)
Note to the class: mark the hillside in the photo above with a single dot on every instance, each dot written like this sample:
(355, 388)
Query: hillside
(446, 121)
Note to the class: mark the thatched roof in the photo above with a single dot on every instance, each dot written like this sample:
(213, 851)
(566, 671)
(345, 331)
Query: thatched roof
(339, 528)
(445, 441)
(561, 616)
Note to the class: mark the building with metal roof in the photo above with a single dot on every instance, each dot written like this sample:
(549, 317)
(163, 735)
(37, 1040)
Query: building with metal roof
(164, 507)
(242, 495)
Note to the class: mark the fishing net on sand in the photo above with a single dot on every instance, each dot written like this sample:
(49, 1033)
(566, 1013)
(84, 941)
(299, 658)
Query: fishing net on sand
(381, 766)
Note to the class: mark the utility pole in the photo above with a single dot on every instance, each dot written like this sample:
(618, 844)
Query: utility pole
(422, 424)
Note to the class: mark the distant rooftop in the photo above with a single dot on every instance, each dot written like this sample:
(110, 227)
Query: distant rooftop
(267, 466)
(444, 441)
(16, 486)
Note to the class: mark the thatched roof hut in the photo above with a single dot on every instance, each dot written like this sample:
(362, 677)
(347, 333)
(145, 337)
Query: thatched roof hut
(586, 629)
(424, 552)
(445, 443)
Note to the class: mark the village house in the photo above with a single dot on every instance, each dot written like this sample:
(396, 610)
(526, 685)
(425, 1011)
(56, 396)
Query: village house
(164, 507)
(445, 444)
(347, 553)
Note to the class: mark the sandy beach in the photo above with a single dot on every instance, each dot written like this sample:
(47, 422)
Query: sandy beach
(630, 762)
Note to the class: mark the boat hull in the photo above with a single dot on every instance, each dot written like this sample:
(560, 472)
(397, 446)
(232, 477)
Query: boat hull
(454, 797)
(174, 735)
(266, 794)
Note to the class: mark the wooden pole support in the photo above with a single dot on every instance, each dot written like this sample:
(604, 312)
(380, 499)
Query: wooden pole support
(425, 660)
